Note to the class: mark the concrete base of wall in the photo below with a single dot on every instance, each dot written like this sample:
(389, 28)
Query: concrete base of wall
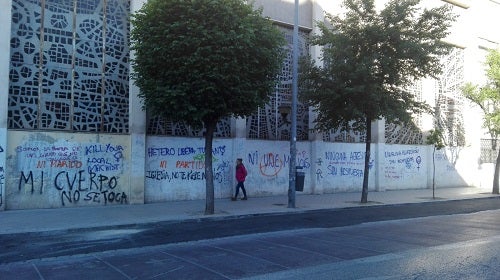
(53, 169)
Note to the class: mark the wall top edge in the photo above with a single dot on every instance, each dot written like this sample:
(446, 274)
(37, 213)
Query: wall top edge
(458, 3)
(290, 25)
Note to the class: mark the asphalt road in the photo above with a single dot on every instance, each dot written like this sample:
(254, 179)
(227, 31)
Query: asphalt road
(28, 246)
(452, 246)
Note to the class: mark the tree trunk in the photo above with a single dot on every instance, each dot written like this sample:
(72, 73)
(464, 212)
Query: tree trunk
(495, 176)
(209, 175)
(366, 173)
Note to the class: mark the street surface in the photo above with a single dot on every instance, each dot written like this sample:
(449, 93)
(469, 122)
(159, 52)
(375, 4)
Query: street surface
(441, 240)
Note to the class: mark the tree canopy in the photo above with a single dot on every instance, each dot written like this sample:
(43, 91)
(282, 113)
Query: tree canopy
(205, 59)
(369, 60)
(487, 97)
(198, 61)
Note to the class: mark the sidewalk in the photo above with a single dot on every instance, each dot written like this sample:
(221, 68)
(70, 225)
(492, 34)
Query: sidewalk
(39, 220)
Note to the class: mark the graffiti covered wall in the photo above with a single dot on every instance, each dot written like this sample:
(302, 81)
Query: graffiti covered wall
(404, 166)
(175, 168)
(268, 165)
(48, 170)
(340, 167)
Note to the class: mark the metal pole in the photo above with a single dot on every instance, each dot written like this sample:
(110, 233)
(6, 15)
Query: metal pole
(293, 136)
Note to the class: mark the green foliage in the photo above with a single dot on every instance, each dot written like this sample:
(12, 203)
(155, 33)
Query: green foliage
(201, 60)
(487, 97)
(198, 61)
(369, 60)
(435, 138)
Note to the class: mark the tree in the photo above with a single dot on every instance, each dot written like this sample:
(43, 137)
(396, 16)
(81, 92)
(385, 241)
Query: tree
(199, 61)
(435, 138)
(369, 60)
(487, 98)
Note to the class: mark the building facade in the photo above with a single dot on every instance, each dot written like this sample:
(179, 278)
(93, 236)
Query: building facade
(73, 134)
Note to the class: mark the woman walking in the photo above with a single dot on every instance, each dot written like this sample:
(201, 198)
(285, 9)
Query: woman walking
(241, 174)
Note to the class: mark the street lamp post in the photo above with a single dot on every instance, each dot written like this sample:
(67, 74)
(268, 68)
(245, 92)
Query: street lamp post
(293, 136)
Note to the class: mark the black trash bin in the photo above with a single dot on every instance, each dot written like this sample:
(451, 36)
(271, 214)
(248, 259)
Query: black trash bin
(299, 179)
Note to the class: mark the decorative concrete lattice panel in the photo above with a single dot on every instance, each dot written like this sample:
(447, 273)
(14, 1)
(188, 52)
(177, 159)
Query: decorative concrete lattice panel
(489, 150)
(394, 134)
(345, 136)
(161, 126)
(69, 65)
(450, 100)
(267, 122)
(448, 110)
(409, 133)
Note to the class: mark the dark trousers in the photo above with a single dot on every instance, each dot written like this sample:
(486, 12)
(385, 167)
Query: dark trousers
(242, 186)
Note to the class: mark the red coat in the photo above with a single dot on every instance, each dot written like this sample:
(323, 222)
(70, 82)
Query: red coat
(241, 173)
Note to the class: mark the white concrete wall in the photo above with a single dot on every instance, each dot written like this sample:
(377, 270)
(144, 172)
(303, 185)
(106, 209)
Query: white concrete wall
(456, 166)
(404, 166)
(486, 174)
(175, 168)
(50, 170)
(268, 163)
(339, 167)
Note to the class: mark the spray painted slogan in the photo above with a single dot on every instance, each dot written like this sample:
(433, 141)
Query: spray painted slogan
(345, 164)
(402, 163)
(76, 173)
(272, 164)
(186, 164)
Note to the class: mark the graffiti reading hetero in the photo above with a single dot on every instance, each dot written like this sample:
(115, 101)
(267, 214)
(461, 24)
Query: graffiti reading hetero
(183, 151)
(186, 163)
